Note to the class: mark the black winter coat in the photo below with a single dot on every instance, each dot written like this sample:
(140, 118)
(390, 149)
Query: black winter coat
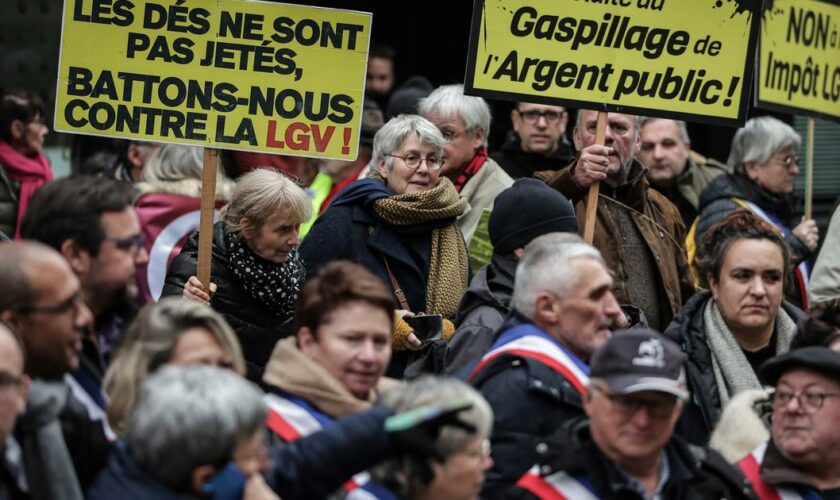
(688, 329)
(349, 230)
(257, 327)
(694, 474)
(481, 313)
(518, 163)
(310, 468)
(529, 401)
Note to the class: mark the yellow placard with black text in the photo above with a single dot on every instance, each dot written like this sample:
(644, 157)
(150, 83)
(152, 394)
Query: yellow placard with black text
(799, 61)
(233, 74)
(688, 59)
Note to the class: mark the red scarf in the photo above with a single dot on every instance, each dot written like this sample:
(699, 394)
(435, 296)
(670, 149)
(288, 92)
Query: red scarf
(31, 173)
(472, 169)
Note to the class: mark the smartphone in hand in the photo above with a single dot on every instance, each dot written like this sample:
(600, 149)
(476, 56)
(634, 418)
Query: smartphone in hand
(426, 326)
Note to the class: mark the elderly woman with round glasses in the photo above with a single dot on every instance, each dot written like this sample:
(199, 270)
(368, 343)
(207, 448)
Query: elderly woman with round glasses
(763, 163)
(400, 223)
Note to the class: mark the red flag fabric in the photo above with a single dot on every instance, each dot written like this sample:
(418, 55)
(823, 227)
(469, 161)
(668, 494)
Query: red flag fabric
(167, 220)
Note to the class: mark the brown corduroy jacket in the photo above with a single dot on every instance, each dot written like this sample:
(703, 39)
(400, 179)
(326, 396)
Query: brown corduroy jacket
(658, 221)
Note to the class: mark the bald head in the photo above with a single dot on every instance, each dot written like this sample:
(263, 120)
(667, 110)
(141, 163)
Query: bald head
(42, 301)
(20, 261)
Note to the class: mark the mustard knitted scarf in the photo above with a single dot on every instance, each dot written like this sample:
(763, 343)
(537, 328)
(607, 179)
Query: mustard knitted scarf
(449, 267)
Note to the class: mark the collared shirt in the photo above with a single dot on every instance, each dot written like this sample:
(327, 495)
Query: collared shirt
(634, 485)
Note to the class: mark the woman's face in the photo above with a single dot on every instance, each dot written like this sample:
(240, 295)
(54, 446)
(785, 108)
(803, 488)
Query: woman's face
(750, 287)
(197, 346)
(404, 180)
(462, 475)
(274, 240)
(777, 174)
(29, 137)
(353, 344)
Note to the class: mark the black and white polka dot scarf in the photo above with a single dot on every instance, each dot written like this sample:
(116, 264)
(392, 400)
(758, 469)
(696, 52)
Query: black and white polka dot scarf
(275, 285)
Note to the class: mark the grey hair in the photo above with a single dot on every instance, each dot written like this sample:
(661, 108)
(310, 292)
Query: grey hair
(263, 194)
(682, 130)
(449, 101)
(189, 416)
(547, 266)
(178, 169)
(432, 390)
(758, 140)
(391, 136)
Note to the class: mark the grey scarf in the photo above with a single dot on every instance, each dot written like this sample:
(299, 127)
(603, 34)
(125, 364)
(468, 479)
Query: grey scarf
(49, 467)
(733, 372)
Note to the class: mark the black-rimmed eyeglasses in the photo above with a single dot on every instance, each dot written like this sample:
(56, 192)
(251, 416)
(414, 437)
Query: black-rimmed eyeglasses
(532, 115)
(810, 401)
(70, 303)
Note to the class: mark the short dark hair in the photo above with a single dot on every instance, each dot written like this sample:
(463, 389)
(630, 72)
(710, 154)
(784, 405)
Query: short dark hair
(71, 209)
(18, 105)
(819, 328)
(739, 225)
(382, 51)
(336, 284)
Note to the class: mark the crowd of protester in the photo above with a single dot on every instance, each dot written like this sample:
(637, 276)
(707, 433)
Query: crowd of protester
(423, 322)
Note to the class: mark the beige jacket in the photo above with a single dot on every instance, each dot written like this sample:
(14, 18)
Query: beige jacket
(293, 372)
(825, 279)
(480, 192)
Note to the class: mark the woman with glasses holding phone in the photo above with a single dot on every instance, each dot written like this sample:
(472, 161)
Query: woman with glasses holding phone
(763, 166)
(742, 321)
(400, 223)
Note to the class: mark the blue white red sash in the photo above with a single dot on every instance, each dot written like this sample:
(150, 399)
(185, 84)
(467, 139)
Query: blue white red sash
(802, 273)
(556, 486)
(751, 465)
(292, 420)
(528, 341)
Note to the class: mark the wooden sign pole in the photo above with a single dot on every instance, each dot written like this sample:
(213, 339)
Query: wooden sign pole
(592, 197)
(809, 171)
(208, 206)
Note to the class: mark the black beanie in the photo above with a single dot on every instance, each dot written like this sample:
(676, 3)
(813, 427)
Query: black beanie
(405, 98)
(526, 210)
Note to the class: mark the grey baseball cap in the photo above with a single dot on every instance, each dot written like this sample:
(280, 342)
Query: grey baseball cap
(640, 360)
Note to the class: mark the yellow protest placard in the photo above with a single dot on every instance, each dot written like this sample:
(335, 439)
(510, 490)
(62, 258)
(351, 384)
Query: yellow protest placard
(686, 59)
(248, 75)
(799, 61)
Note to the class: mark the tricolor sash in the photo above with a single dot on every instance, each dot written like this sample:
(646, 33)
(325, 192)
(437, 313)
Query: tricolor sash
(291, 419)
(528, 341)
(557, 486)
(802, 273)
(751, 465)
